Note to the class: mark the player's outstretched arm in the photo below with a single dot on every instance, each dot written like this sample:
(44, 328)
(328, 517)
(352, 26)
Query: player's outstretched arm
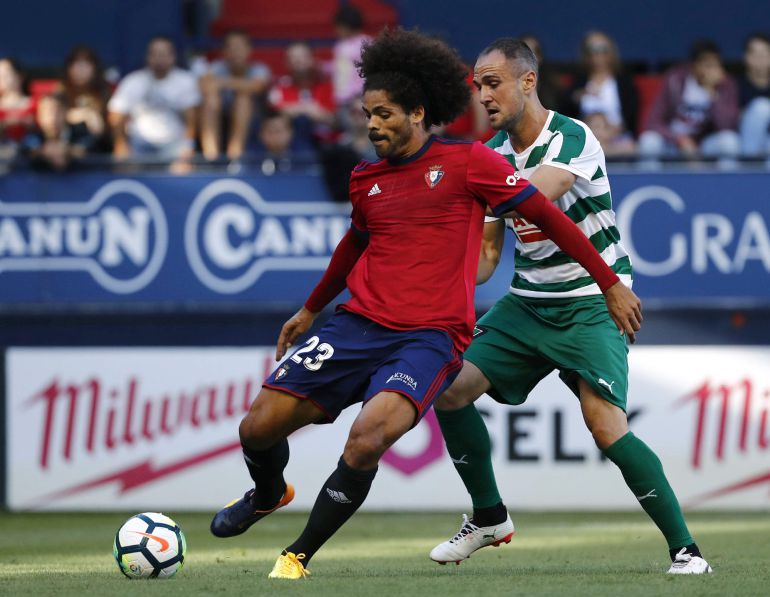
(332, 283)
(491, 250)
(624, 306)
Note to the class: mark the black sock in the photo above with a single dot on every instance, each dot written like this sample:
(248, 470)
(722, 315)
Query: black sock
(487, 517)
(342, 494)
(691, 549)
(266, 469)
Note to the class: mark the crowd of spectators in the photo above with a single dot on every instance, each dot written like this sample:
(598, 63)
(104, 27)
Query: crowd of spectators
(230, 110)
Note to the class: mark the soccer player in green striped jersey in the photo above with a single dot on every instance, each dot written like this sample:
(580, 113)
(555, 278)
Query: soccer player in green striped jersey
(554, 316)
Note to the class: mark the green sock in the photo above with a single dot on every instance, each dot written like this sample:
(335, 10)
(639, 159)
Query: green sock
(644, 476)
(467, 441)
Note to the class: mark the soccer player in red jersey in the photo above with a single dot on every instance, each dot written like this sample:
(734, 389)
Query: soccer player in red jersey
(409, 261)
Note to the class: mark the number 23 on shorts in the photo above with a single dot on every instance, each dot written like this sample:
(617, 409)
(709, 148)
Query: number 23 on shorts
(323, 350)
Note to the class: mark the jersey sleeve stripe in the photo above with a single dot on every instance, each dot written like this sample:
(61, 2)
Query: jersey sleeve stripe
(507, 206)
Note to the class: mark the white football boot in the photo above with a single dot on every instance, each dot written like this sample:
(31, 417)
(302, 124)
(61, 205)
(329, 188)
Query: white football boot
(685, 563)
(470, 538)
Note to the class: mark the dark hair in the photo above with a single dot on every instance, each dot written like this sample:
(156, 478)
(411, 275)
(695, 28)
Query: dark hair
(97, 87)
(236, 32)
(612, 48)
(162, 37)
(272, 114)
(702, 47)
(756, 36)
(513, 49)
(417, 70)
(350, 17)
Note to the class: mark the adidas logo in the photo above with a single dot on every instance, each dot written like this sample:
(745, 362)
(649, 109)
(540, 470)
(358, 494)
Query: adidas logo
(338, 496)
(375, 190)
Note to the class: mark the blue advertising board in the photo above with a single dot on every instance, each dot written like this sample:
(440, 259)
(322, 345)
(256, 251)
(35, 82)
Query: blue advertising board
(262, 242)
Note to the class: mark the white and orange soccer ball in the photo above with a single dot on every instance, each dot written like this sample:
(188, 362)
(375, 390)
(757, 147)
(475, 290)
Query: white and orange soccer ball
(149, 545)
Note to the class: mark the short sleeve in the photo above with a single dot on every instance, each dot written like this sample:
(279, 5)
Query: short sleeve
(128, 93)
(189, 94)
(576, 150)
(494, 180)
(260, 70)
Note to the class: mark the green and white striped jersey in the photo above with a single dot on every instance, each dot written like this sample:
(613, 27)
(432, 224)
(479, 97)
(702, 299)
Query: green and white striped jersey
(542, 270)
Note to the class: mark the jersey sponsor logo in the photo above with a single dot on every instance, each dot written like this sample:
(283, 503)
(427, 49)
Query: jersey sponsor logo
(119, 237)
(512, 179)
(233, 236)
(433, 176)
(404, 378)
(527, 232)
(375, 190)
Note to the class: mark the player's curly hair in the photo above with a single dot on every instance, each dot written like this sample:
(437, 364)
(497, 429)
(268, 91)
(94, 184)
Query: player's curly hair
(417, 70)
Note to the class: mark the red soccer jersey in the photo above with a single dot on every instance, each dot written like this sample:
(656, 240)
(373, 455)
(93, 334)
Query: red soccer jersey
(425, 217)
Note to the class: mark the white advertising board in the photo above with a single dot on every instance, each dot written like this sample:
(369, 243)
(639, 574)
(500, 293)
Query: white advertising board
(157, 428)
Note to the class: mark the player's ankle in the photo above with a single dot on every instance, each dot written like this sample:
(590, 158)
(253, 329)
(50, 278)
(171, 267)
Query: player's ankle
(691, 549)
(490, 516)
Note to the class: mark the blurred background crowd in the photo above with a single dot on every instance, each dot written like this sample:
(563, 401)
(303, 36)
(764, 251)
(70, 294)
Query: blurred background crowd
(231, 103)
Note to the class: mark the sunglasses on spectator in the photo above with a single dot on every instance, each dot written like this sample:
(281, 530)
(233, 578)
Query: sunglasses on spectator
(599, 48)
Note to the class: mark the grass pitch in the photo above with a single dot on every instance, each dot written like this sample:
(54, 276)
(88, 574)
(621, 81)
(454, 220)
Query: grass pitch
(386, 554)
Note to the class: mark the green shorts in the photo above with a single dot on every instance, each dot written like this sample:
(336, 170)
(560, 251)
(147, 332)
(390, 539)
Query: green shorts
(521, 340)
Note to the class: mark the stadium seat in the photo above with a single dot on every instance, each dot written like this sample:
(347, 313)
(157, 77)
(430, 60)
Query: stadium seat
(41, 87)
(297, 19)
(648, 87)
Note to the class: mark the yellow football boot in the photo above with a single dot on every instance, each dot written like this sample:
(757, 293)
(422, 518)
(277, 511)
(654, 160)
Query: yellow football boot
(289, 566)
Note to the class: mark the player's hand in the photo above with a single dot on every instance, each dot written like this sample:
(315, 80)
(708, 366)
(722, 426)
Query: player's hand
(297, 325)
(625, 309)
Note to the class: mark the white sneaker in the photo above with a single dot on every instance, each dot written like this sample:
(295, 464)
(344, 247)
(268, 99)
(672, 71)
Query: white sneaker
(685, 563)
(470, 538)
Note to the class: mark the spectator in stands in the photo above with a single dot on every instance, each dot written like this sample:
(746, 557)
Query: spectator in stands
(549, 87)
(614, 141)
(153, 110)
(348, 85)
(83, 96)
(57, 144)
(231, 90)
(602, 87)
(17, 110)
(275, 135)
(754, 93)
(305, 95)
(338, 159)
(696, 111)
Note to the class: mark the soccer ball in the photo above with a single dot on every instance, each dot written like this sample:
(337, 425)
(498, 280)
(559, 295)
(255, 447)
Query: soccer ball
(149, 545)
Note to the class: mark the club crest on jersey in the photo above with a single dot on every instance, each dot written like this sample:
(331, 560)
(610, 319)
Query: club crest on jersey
(433, 176)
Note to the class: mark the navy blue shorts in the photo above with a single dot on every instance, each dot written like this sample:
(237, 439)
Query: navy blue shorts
(352, 359)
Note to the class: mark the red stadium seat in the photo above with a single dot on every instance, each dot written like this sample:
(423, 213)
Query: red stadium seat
(648, 87)
(296, 19)
(42, 87)
(275, 56)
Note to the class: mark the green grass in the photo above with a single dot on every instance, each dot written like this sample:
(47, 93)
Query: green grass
(386, 554)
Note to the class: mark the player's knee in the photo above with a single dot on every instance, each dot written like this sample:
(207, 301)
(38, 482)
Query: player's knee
(454, 398)
(364, 448)
(605, 434)
(256, 431)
